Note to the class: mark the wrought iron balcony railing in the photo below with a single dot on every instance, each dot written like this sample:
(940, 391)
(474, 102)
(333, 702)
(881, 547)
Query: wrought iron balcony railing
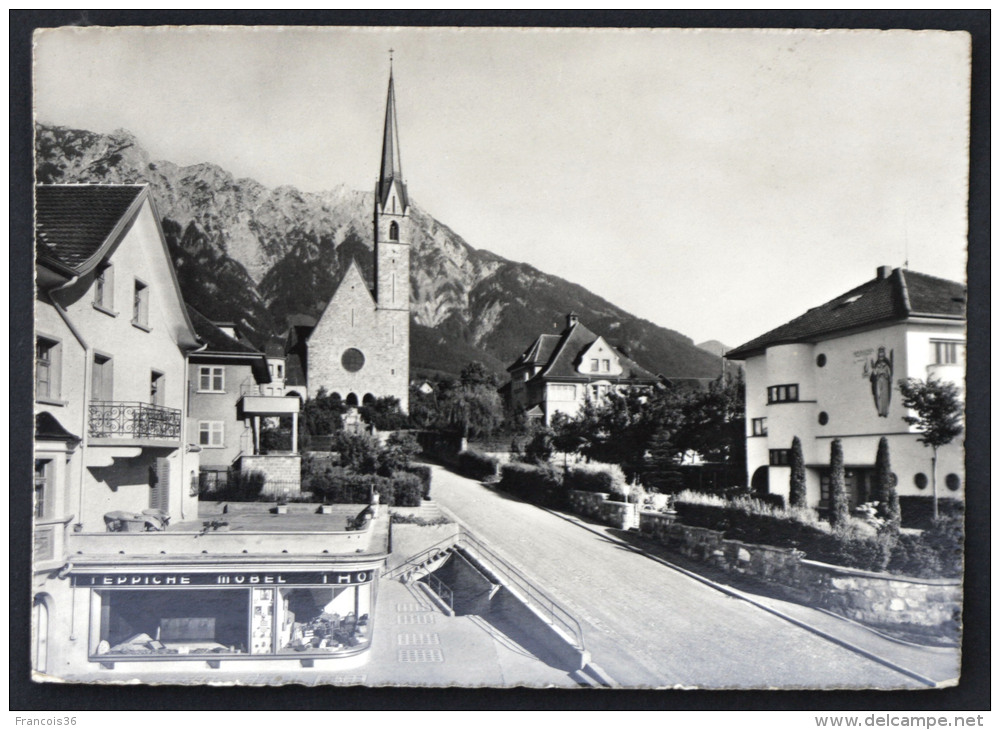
(134, 420)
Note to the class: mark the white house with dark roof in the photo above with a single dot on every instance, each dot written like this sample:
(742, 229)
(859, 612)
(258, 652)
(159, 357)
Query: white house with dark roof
(559, 373)
(131, 579)
(832, 373)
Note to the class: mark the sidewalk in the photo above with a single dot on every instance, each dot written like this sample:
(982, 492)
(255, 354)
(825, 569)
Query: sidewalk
(415, 644)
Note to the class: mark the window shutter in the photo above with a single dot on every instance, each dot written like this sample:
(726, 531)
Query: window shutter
(159, 485)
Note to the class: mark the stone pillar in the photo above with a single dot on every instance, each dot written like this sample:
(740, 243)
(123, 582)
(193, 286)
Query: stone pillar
(295, 433)
(256, 435)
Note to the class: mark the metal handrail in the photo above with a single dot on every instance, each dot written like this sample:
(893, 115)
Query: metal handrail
(441, 588)
(511, 575)
(506, 573)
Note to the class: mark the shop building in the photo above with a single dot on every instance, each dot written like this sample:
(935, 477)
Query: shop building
(559, 373)
(250, 592)
(833, 373)
(111, 337)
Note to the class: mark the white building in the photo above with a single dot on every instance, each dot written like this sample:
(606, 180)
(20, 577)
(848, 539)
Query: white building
(834, 372)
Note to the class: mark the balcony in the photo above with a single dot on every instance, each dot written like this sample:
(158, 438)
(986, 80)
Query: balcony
(132, 423)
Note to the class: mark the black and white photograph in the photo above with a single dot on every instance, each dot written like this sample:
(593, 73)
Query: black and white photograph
(555, 358)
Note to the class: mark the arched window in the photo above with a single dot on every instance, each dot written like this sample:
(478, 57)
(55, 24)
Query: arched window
(352, 400)
(368, 400)
(394, 231)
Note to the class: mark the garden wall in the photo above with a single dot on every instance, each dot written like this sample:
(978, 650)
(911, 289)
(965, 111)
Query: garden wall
(621, 515)
(282, 473)
(873, 598)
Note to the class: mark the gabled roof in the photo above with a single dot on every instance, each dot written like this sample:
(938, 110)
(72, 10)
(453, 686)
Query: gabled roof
(221, 345)
(559, 356)
(76, 224)
(890, 297)
(539, 353)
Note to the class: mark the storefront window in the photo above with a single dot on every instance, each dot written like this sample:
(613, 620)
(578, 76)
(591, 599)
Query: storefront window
(183, 623)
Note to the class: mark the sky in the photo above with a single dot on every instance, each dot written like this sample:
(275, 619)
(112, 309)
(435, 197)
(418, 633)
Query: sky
(715, 182)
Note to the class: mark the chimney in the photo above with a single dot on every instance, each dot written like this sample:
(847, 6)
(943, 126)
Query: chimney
(571, 319)
(883, 272)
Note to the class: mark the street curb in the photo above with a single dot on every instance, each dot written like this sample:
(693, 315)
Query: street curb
(773, 611)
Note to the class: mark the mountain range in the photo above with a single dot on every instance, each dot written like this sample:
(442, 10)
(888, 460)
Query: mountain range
(257, 256)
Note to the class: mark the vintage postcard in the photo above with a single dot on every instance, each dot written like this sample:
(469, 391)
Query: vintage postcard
(500, 357)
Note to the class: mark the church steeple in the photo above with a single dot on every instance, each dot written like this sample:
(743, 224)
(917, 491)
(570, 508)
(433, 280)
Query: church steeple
(391, 171)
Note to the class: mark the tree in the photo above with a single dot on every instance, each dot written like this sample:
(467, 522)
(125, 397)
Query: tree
(797, 481)
(323, 414)
(472, 409)
(838, 491)
(938, 406)
(384, 414)
(885, 487)
(662, 473)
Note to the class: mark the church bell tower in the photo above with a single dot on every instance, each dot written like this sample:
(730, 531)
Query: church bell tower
(392, 247)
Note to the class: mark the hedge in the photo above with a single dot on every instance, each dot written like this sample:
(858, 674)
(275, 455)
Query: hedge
(337, 485)
(607, 478)
(540, 485)
(475, 465)
(407, 490)
(918, 511)
(423, 473)
(935, 553)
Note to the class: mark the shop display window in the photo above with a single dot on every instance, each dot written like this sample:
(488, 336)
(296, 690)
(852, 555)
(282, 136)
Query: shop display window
(179, 623)
(322, 620)
(171, 622)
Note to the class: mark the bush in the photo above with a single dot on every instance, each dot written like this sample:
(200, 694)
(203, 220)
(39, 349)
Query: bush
(607, 478)
(399, 450)
(360, 452)
(337, 485)
(936, 552)
(423, 473)
(539, 485)
(407, 490)
(243, 487)
(918, 511)
(475, 465)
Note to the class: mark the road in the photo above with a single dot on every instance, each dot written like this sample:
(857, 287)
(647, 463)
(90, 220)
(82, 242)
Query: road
(645, 624)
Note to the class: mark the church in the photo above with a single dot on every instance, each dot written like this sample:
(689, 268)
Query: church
(359, 348)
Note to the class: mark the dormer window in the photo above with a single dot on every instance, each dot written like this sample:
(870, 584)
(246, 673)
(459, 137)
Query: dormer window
(394, 229)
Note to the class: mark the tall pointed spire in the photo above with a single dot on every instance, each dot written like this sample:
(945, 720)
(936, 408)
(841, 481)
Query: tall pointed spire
(391, 170)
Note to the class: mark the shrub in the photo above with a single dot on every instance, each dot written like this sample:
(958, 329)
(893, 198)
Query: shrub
(358, 451)
(539, 449)
(399, 450)
(607, 478)
(423, 473)
(933, 553)
(420, 521)
(384, 414)
(918, 511)
(854, 547)
(407, 489)
(244, 486)
(475, 465)
(337, 485)
(540, 485)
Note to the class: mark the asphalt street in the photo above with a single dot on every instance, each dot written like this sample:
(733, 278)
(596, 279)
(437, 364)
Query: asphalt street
(645, 624)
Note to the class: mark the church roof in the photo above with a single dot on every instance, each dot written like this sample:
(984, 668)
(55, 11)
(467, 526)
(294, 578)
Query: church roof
(76, 224)
(891, 296)
(559, 357)
(392, 167)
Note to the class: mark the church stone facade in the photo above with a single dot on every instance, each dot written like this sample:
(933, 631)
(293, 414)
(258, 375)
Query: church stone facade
(360, 347)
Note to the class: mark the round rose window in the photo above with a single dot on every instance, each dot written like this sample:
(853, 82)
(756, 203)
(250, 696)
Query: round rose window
(352, 360)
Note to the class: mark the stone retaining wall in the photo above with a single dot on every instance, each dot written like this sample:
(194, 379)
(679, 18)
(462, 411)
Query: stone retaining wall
(874, 598)
(282, 473)
(622, 515)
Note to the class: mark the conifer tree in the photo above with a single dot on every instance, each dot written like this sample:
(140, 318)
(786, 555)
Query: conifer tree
(797, 481)
(838, 491)
(885, 487)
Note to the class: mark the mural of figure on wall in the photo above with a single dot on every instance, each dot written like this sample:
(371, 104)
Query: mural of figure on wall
(881, 380)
